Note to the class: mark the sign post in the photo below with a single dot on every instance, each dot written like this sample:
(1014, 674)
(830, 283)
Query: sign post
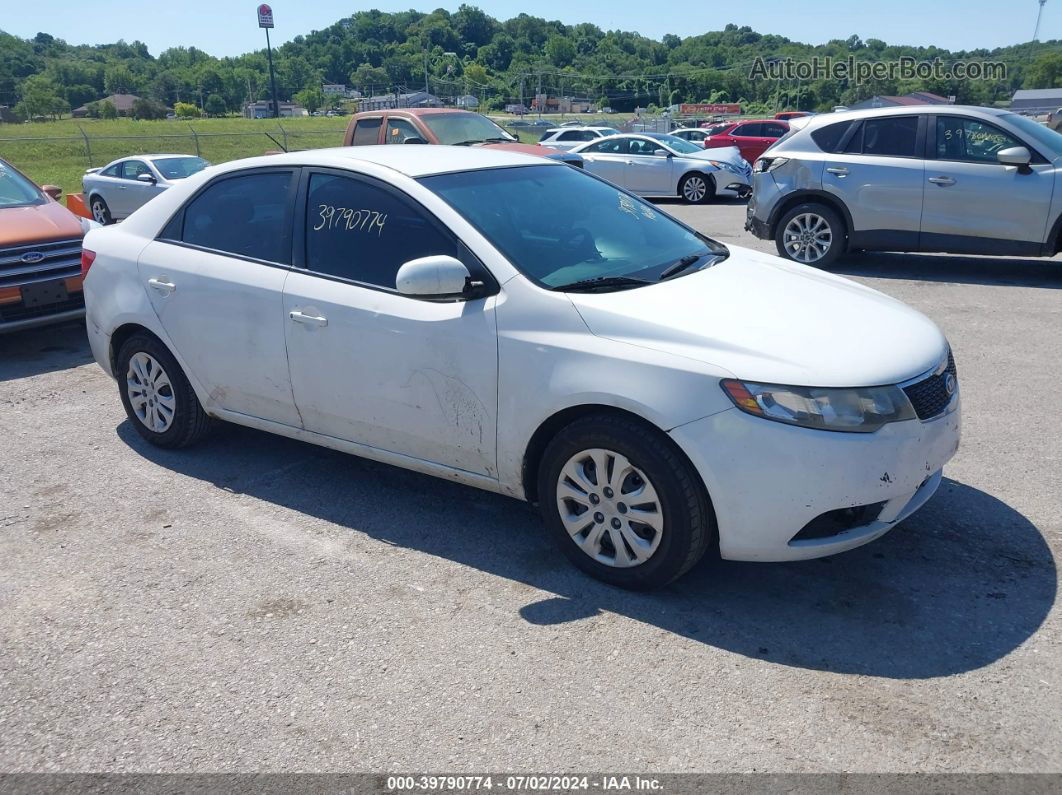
(265, 20)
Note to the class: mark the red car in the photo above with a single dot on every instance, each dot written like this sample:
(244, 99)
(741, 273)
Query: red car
(786, 115)
(751, 136)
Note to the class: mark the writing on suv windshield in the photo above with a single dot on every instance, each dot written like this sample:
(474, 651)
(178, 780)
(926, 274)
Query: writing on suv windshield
(565, 229)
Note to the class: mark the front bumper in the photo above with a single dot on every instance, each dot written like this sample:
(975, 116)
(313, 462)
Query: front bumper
(768, 480)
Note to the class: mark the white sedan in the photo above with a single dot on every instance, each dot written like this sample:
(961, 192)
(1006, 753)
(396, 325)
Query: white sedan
(527, 328)
(122, 186)
(661, 165)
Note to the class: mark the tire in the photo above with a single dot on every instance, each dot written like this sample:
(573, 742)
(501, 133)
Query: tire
(690, 183)
(817, 223)
(683, 515)
(101, 213)
(173, 416)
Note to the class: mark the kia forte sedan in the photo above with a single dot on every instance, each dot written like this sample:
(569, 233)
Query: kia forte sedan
(530, 329)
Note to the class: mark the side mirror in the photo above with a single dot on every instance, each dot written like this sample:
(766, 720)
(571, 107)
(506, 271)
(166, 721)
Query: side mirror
(52, 190)
(1016, 156)
(437, 276)
(414, 139)
(148, 178)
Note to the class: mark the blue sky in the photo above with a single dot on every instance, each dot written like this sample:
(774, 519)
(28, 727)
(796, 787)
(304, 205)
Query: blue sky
(225, 27)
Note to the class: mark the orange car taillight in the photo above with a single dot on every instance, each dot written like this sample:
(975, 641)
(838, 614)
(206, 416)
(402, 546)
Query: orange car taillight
(87, 258)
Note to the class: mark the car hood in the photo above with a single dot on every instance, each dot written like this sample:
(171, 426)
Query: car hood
(729, 154)
(38, 223)
(761, 318)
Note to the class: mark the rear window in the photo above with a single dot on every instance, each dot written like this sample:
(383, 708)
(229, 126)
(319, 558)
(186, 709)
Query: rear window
(828, 138)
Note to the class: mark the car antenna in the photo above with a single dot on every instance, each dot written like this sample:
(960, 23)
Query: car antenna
(278, 143)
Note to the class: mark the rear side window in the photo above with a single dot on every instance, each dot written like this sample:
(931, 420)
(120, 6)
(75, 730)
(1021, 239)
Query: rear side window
(828, 138)
(366, 132)
(893, 136)
(362, 232)
(774, 130)
(249, 216)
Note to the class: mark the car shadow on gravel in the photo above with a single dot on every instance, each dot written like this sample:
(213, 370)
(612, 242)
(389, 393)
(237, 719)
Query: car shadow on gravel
(956, 587)
(995, 271)
(43, 350)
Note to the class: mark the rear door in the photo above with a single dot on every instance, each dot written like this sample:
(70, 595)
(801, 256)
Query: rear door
(879, 176)
(974, 203)
(215, 277)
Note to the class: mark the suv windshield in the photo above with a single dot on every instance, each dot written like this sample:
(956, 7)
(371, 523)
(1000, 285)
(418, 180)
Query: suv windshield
(1043, 135)
(559, 225)
(16, 190)
(179, 167)
(464, 128)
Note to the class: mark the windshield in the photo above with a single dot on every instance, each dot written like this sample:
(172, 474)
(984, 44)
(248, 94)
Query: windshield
(718, 129)
(463, 128)
(179, 167)
(16, 190)
(1043, 135)
(683, 147)
(560, 225)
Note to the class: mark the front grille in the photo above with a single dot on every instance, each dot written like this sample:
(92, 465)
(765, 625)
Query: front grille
(59, 259)
(12, 312)
(930, 396)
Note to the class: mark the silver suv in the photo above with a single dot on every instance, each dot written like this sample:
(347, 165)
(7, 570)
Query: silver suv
(945, 178)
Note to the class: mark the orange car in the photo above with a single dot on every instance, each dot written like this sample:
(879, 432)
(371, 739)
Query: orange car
(40, 254)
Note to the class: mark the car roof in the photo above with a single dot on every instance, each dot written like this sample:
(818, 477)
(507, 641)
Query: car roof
(901, 110)
(159, 156)
(413, 161)
(417, 111)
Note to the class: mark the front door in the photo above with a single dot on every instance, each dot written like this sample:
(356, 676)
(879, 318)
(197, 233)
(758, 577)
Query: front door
(370, 365)
(649, 168)
(134, 193)
(607, 159)
(973, 203)
(215, 278)
(880, 177)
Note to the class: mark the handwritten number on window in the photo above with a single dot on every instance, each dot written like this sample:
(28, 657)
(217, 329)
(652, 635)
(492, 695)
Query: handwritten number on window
(348, 219)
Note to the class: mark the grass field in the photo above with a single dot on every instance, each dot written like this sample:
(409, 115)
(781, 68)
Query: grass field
(58, 152)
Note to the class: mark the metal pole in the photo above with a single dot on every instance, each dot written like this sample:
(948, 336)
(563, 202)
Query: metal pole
(195, 135)
(88, 146)
(272, 77)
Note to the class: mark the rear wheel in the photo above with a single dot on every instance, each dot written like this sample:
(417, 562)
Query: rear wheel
(156, 395)
(101, 214)
(697, 188)
(811, 234)
(625, 506)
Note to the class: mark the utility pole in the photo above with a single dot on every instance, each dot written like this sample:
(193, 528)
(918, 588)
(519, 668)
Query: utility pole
(1039, 15)
(265, 20)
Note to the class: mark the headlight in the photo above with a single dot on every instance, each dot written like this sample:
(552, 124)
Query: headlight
(723, 164)
(770, 163)
(856, 410)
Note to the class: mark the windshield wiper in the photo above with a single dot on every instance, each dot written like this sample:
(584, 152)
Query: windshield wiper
(601, 283)
(676, 268)
(483, 141)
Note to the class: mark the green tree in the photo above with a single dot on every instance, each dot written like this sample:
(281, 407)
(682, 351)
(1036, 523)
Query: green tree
(186, 110)
(369, 79)
(560, 50)
(144, 108)
(310, 98)
(107, 109)
(118, 79)
(40, 97)
(215, 105)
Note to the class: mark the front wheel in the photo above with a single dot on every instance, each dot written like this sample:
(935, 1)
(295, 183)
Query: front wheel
(623, 503)
(697, 188)
(811, 234)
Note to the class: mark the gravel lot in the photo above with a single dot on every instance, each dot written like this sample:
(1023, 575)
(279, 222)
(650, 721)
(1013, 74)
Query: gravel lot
(262, 604)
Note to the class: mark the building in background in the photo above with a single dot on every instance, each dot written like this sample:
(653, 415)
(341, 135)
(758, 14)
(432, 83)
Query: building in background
(468, 102)
(414, 99)
(1036, 101)
(263, 109)
(123, 103)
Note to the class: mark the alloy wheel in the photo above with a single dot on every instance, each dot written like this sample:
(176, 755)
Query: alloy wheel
(99, 215)
(694, 189)
(807, 237)
(150, 392)
(609, 508)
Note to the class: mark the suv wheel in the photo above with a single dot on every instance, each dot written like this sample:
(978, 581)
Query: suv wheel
(623, 504)
(811, 234)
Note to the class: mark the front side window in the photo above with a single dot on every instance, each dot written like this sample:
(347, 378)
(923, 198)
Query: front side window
(360, 231)
(248, 215)
(609, 146)
(367, 132)
(891, 136)
(399, 131)
(561, 225)
(970, 140)
(131, 169)
(641, 146)
(753, 130)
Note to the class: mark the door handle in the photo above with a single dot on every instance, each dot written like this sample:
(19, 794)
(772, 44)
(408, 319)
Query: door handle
(163, 287)
(309, 320)
(838, 170)
(942, 180)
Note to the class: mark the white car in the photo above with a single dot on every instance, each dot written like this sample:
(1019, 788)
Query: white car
(524, 327)
(661, 165)
(695, 135)
(122, 186)
(567, 138)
